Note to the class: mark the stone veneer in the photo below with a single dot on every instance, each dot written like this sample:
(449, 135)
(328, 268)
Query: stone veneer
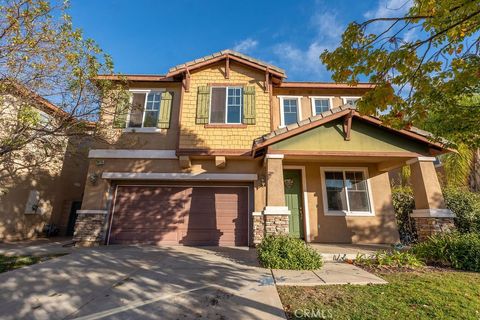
(89, 229)
(428, 226)
(269, 225)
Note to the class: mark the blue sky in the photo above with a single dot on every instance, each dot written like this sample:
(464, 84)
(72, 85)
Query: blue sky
(148, 36)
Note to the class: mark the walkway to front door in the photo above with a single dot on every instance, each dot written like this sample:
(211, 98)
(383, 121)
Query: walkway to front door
(293, 200)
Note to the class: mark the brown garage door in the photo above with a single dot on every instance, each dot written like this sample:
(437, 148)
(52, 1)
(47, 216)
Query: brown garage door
(180, 215)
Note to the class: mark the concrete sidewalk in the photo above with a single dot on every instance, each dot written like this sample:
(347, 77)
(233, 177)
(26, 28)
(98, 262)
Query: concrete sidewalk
(38, 247)
(330, 274)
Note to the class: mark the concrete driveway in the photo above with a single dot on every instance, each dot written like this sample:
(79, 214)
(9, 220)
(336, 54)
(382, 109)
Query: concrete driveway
(142, 283)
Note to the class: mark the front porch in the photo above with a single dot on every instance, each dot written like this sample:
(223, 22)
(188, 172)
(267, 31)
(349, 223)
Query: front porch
(326, 181)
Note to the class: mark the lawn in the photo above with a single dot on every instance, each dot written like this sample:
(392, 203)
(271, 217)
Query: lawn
(8, 263)
(425, 294)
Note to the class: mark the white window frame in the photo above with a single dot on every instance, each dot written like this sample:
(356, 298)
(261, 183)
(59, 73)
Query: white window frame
(226, 104)
(345, 98)
(142, 128)
(299, 110)
(313, 98)
(327, 212)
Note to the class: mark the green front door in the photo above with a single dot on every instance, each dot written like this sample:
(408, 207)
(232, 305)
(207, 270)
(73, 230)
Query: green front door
(293, 199)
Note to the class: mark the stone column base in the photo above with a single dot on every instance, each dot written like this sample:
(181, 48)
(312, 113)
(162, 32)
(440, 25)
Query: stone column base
(89, 228)
(273, 220)
(429, 226)
(258, 227)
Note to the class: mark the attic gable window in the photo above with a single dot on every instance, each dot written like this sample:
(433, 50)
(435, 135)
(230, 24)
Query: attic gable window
(290, 110)
(321, 104)
(352, 101)
(226, 105)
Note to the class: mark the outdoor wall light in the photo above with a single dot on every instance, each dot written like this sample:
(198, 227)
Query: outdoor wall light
(93, 178)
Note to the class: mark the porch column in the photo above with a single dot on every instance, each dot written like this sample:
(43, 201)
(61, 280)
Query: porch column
(90, 226)
(276, 214)
(430, 214)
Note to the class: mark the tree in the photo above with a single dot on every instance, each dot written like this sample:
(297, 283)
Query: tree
(44, 59)
(461, 129)
(420, 60)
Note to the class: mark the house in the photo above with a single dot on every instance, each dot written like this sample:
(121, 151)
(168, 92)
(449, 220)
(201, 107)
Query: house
(38, 189)
(223, 150)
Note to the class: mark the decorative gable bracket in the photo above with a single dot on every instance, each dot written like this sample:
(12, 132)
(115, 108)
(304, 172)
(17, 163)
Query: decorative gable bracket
(347, 125)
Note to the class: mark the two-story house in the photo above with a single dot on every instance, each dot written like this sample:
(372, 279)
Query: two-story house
(223, 150)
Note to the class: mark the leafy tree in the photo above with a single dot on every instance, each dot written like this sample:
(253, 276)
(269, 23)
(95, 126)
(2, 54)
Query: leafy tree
(419, 60)
(460, 127)
(43, 57)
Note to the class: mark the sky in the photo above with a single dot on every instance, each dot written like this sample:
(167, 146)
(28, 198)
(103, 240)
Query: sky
(150, 36)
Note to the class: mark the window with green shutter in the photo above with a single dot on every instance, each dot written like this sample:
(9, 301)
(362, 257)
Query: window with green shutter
(203, 102)
(121, 114)
(165, 110)
(249, 113)
(146, 109)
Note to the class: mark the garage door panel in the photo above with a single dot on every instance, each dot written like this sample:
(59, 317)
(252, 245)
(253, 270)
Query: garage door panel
(180, 215)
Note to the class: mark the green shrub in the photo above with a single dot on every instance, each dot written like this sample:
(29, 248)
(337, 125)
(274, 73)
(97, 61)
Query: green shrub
(403, 203)
(466, 206)
(456, 250)
(399, 259)
(284, 252)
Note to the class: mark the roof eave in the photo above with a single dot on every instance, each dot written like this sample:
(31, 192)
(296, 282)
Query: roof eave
(325, 85)
(189, 66)
(343, 111)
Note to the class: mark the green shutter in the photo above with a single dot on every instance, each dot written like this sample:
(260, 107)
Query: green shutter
(165, 110)
(249, 105)
(121, 113)
(203, 102)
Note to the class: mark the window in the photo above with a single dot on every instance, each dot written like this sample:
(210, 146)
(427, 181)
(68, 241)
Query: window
(145, 109)
(321, 104)
(350, 100)
(289, 110)
(226, 105)
(346, 191)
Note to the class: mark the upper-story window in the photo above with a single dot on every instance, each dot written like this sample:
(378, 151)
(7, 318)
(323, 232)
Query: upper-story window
(350, 100)
(226, 105)
(289, 110)
(321, 104)
(145, 108)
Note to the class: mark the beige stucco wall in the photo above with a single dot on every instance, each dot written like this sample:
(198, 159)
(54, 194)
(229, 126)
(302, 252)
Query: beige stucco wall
(305, 101)
(95, 197)
(380, 228)
(198, 136)
(59, 181)
(117, 138)
(426, 186)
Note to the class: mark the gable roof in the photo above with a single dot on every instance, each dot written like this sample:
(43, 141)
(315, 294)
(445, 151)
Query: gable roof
(217, 56)
(42, 103)
(336, 113)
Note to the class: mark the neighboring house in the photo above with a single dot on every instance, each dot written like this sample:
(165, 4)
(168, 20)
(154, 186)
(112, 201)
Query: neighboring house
(39, 189)
(223, 150)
